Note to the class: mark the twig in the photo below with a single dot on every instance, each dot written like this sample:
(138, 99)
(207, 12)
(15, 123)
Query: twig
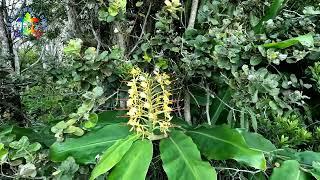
(97, 37)
(208, 105)
(38, 60)
(142, 31)
(237, 170)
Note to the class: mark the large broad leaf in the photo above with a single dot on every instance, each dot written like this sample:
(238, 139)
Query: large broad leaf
(308, 157)
(112, 156)
(111, 117)
(219, 104)
(222, 143)
(85, 148)
(257, 142)
(304, 158)
(288, 170)
(135, 163)
(306, 40)
(182, 160)
(5, 130)
(39, 134)
(316, 170)
(270, 14)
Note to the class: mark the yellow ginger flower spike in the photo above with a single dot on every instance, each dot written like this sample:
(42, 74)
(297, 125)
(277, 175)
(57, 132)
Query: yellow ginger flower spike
(149, 104)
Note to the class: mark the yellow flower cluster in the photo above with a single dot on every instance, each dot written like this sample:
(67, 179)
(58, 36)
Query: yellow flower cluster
(173, 5)
(149, 103)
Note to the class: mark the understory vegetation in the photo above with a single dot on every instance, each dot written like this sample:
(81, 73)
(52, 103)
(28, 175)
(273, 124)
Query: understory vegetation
(170, 89)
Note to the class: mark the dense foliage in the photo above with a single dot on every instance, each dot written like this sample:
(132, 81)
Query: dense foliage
(173, 89)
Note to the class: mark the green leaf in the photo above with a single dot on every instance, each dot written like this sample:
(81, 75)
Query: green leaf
(39, 134)
(270, 14)
(306, 40)
(139, 3)
(288, 170)
(3, 153)
(315, 172)
(73, 47)
(182, 160)
(218, 105)
(103, 15)
(255, 60)
(135, 163)
(23, 149)
(112, 156)
(97, 91)
(254, 122)
(67, 169)
(309, 10)
(257, 142)
(90, 54)
(308, 157)
(211, 141)
(85, 148)
(23, 142)
(5, 131)
(111, 117)
(92, 121)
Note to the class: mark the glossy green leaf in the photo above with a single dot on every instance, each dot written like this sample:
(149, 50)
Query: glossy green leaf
(92, 121)
(182, 160)
(308, 157)
(5, 130)
(257, 141)
(111, 117)
(270, 14)
(39, 134)
(135, 163)
(112, 156)
(222, 143)
(3, 153)
(85, 148)
(306, 40)
(218, 105)
(315, 172)
(304, 158)
(288, 170)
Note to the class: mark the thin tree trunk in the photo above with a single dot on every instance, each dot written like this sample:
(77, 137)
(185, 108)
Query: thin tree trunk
(192, 19)
(117, 36)
(193, 13)
(6, 49)
(72, 18)
(187, 112)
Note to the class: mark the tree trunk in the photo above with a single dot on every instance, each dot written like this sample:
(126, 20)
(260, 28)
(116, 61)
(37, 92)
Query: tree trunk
(192, 20)
(72, 18)
(118, 37)
(193, 13)
(6, 46)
